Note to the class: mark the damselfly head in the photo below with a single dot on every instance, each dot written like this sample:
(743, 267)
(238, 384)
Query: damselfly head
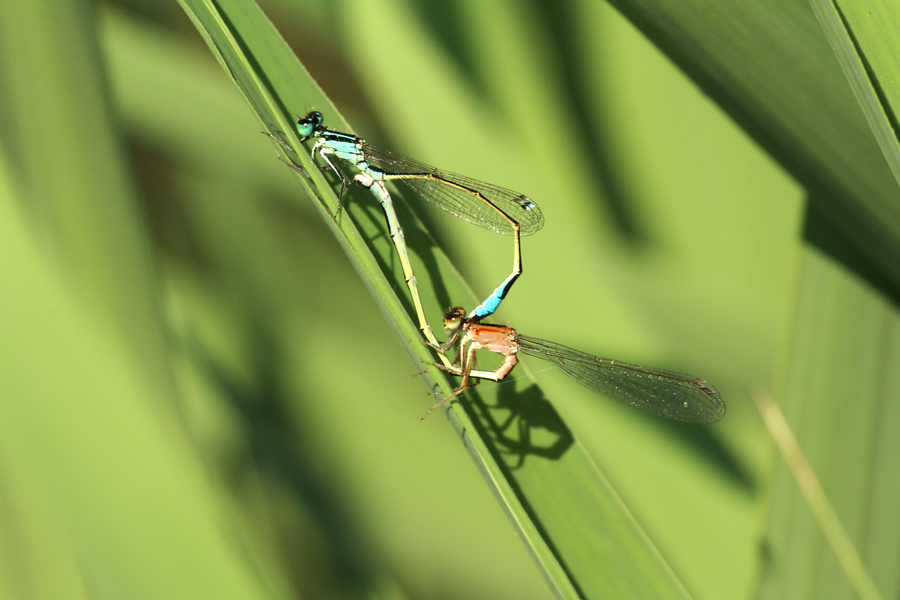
(453, 318)
(309, 124)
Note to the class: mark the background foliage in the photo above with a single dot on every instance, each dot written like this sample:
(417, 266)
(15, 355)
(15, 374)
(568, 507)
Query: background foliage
(200, 398)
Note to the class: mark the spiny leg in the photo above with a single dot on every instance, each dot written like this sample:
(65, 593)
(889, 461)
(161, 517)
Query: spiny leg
(286, 146)
(345, 181)
(455, 368)
(444, 347)
(280, 141)
(470, 361)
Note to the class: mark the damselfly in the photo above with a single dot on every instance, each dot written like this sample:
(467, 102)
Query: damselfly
(664, 393)
(495, 208)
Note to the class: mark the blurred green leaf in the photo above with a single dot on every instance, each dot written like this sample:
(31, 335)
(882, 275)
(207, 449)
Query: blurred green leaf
(768, 65)
(865, 40)
(84, 202)
(840, 392)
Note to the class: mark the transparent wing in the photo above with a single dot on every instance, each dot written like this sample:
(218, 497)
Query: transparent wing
(476, 202)
(672, 395)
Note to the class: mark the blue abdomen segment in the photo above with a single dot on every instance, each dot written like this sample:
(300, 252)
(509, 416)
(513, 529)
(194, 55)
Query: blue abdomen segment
(492, 303)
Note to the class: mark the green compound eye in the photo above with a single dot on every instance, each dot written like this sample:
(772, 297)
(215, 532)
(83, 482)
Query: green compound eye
(308, 124)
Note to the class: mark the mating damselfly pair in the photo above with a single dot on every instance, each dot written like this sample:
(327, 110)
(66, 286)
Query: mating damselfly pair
(492, 207)
(664, 393)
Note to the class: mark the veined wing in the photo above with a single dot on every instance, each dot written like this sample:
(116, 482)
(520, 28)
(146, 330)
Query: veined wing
(483, 204)
(664, 393)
